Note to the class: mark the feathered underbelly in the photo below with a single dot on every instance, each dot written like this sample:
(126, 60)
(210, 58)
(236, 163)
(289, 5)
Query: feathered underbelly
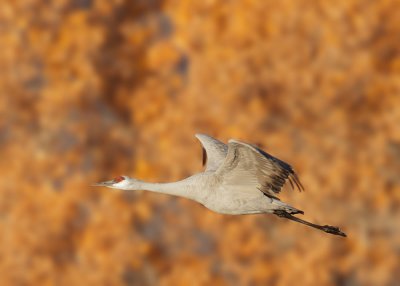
(239, 202)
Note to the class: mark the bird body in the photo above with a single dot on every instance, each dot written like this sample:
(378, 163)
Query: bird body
(239, 178)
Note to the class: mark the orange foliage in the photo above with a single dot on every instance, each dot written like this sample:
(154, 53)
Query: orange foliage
(95, 89)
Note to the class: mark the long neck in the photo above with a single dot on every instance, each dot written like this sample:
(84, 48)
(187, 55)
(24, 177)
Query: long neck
(181, 188)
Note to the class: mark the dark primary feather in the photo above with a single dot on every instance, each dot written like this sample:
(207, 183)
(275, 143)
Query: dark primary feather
(250, 166)
(286, 172)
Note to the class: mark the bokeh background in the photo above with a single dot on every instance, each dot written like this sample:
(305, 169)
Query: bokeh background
(94, 89)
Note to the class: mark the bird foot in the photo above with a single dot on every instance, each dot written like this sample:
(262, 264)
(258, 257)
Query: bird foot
(296, 212)
(281, 213)
(333, 230)
(287, 213)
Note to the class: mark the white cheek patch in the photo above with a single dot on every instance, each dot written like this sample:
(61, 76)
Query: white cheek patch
(121, 184)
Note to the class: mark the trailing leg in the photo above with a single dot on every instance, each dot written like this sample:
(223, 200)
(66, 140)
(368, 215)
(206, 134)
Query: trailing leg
(326, 228)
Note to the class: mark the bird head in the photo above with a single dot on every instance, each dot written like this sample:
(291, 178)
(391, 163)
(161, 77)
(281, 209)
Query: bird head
(120, 182)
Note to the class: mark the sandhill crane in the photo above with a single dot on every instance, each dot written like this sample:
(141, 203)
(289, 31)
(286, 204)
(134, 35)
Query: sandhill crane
(239, 178)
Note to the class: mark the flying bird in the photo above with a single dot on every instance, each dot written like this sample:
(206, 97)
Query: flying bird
(239, 178)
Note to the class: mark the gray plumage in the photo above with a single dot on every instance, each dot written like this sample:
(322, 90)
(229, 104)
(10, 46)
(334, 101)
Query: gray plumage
(239, 178)
(214, 151)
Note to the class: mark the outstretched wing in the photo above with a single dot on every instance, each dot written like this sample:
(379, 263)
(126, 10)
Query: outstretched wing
(249, 166)
(214, 151)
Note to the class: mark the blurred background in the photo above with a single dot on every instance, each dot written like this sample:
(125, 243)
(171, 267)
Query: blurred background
(94, 89)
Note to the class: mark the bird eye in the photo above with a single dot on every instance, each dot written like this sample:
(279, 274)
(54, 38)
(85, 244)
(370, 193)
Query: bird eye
(118, 179)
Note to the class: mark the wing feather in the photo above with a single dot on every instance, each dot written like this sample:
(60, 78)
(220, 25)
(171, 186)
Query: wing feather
(214, 151)
(249, 166)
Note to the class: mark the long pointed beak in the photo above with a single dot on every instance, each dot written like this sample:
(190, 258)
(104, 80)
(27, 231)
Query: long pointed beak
(103, 184)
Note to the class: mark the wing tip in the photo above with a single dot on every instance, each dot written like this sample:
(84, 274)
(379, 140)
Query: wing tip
(292, 177)
(294, 180)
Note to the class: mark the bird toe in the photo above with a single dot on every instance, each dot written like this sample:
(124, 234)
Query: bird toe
(333, 230)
